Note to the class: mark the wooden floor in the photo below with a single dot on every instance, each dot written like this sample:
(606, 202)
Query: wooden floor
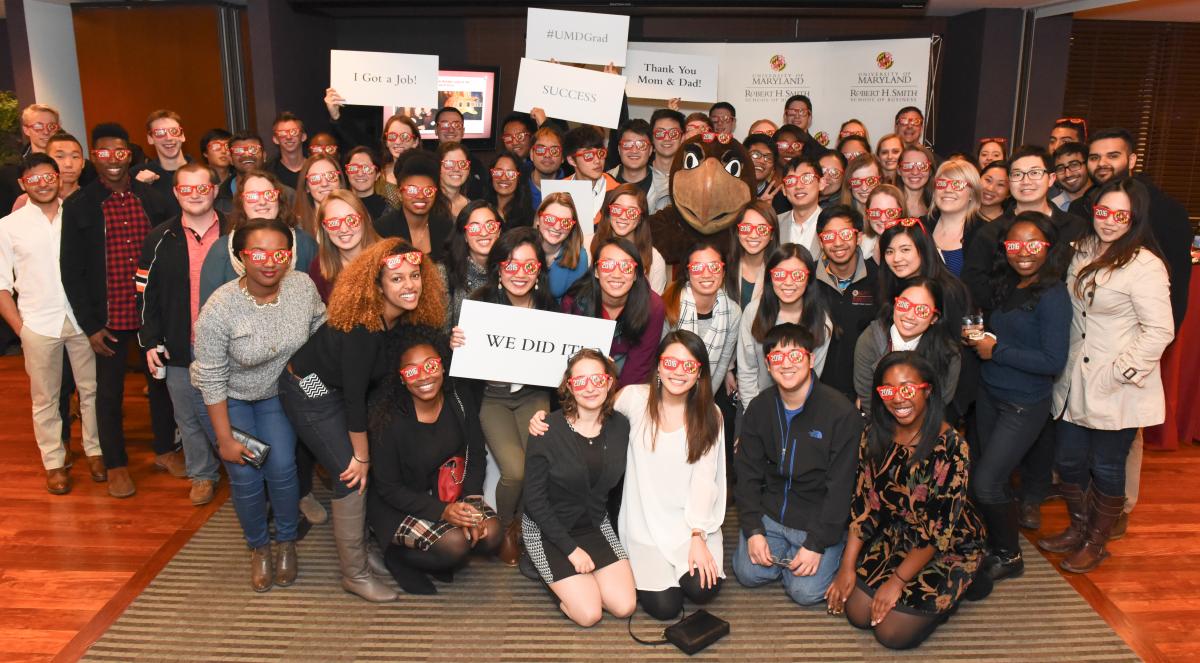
(69, 565)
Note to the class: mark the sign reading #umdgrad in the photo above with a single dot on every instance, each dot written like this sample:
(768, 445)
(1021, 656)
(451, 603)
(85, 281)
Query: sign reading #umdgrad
(369, 78)
(662, 75)
(524, 346)
(580, 37)
(569, 93)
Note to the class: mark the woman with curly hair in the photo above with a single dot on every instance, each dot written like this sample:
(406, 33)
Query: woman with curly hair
(426, 505)
(324, 388)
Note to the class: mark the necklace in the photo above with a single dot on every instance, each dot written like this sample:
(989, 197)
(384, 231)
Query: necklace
(910, 440)
(247, 295)
(590, 440)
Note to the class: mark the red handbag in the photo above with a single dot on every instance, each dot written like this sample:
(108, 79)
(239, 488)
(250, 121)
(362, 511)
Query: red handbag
(450, 478)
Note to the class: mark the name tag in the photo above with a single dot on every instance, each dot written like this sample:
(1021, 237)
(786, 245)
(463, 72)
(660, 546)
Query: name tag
(862, 298)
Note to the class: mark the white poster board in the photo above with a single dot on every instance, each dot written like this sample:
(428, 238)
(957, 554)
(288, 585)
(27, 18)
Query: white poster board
(369, 78)
(663, 75)
(579, 37)
(570, 93)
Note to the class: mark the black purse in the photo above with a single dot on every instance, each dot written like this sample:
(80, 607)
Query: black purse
(255, 446)
(691, 634)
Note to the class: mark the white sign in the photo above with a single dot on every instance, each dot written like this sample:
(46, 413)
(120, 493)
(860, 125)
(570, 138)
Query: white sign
(368, 78)
(569, 93)
(580, 37)
(661, 75)
(524, 346)
(581, 194)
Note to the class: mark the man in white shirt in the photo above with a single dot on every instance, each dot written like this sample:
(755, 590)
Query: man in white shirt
(802, 188)
(666, 126)
(29, 265)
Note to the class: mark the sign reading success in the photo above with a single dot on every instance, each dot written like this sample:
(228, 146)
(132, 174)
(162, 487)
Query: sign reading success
(569, 93)
(369, 78)
(524, 346)
(660, 75)
(580, 37)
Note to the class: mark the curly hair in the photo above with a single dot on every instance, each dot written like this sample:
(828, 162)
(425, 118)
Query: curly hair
(357, 298)
(392, 395)
(567, 397)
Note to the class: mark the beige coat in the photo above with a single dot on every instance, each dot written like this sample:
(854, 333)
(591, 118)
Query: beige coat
(1112, 379)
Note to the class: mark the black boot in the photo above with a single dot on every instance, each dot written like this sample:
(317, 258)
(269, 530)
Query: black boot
(1004, 540)
(410, 579)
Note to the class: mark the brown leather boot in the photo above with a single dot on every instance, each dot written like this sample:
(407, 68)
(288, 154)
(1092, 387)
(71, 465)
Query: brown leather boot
(510, 547)
(262, 572)
(58, 482)
(286, 564)
(120, 484)
(96, 469)
(201, 492)
(171, 462)
(1105, 509)
(1070, 539)
(1118, 530)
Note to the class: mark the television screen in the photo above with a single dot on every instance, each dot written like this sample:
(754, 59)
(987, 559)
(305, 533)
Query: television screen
(472, 90)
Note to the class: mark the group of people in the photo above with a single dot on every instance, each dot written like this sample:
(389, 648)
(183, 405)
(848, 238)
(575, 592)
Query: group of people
(871, 353)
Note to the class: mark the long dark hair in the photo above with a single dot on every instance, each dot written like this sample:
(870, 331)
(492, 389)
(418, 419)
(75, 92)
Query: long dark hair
(703, 418)
(1002, 280)
(939, 344)
(392, 395)
(519, 211)
(636, 313)
(957, 298)
(733, 276)
(673, 294)
(816, 310)
(458, 253)
(882, 432)
(641, 234)
(508, 242)
(1122, 251)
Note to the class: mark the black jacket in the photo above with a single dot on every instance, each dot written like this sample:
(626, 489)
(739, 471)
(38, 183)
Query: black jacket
(851, 310)
(164, 290)
(819, 462)
(557, 492)
(82, 259)
(395, 224)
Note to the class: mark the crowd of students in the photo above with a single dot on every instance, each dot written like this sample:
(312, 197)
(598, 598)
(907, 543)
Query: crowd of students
(891, 337)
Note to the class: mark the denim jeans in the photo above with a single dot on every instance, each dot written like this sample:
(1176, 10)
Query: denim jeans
(1098, 455)
(1037, 467)
(784, 543)
(1006, 432)
(265, 420)
(198, 455)
(320, 424)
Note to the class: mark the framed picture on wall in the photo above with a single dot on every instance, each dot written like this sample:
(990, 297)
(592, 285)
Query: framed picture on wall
(474, 91)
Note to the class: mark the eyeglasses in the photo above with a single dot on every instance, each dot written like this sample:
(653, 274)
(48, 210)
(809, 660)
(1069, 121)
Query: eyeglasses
(512, 139)
(119, 154)
(803, 178)
(710, 136)
(883, 213)
(414, 191)
(398, 260)
(547, 150)
(596, 153)
(505, 174)
(456, 164)
(851, 156)
(335, 223)
(527, 267)
(260, 256)
(1072, 120)
(831, 172)
(173, 132)
(910, 122)
(795, 355)
(914, 166)
(316, 178)
(599, 380)
(864, 182)
(907, 222)
(845, 234)
(784, 275)
(447, 124)
(428, 368)
(998, 139)
(1033, 247)
(246, 150)
(287, 133)
(1034, 175)
(943, 183)
(34, 180)
(622, 212)
(189, 189)
(760, 229)
(323, 150)
(360, 168)
(563, 223)
(698, 127)
(609, 265)
(802, 112)
(922, 311)
(851, 132)
(716, 268)
(667, 134)
(398, 137)
(489, 227)
(756, 155)
(788, 145)
(270, 196)
(635, 145)
(218, 145)
(43, 127)
(689, 366)
(1072, 165)
(1102, 213)
(901, 393)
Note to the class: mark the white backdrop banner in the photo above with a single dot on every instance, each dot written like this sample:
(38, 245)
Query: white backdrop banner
(868, 80)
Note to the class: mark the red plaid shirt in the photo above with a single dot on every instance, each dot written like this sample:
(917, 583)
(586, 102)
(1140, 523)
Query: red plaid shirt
(125, 228)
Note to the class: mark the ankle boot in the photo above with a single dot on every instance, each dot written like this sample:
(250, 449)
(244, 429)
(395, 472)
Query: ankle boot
(510, 547)
(349, 520)
(1105, 509)
(411, 579)
(1004, 540)
(1070, 539)
(286, 564)
(262, 569)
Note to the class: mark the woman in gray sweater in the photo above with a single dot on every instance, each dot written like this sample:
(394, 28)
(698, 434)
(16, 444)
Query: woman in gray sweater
(244, 336)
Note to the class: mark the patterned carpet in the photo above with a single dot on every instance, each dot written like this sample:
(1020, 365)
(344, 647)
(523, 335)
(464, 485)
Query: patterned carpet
(201, 608)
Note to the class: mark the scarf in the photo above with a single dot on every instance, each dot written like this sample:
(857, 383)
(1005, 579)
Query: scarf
(718, 328)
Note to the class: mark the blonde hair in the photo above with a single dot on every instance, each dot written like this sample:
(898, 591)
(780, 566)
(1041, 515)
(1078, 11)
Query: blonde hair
(29, 110)
(961, 170)
(329, 256)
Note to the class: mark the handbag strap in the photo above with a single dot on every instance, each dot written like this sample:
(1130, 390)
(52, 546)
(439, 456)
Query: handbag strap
(467, 455)
(650, 643)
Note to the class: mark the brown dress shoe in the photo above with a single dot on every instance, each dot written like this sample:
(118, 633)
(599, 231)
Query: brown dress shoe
(202, 492)
(286, 564)
(120, 484)
(171, 462)
(96, 469)
(510, 546)
(262, 572)
(58, 482)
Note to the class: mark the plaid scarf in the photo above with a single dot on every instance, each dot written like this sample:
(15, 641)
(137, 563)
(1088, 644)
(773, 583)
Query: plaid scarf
(718, 328)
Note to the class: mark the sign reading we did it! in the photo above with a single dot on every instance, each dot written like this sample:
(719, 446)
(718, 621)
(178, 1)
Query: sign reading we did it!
(370, 78)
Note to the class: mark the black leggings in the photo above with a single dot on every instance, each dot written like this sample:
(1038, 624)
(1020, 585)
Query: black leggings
(898, 630)
(666, 604)
(448, 552)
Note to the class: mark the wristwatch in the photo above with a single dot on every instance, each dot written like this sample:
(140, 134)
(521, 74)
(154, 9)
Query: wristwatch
(703, 535)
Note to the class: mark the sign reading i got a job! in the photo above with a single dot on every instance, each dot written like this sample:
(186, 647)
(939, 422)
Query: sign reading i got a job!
(580, 37)
(369, 78)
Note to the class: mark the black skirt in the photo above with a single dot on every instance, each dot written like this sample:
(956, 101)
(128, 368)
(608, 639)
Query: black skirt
(600, 543)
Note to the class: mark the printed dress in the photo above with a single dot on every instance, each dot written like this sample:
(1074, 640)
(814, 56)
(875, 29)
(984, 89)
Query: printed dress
(898, 508)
